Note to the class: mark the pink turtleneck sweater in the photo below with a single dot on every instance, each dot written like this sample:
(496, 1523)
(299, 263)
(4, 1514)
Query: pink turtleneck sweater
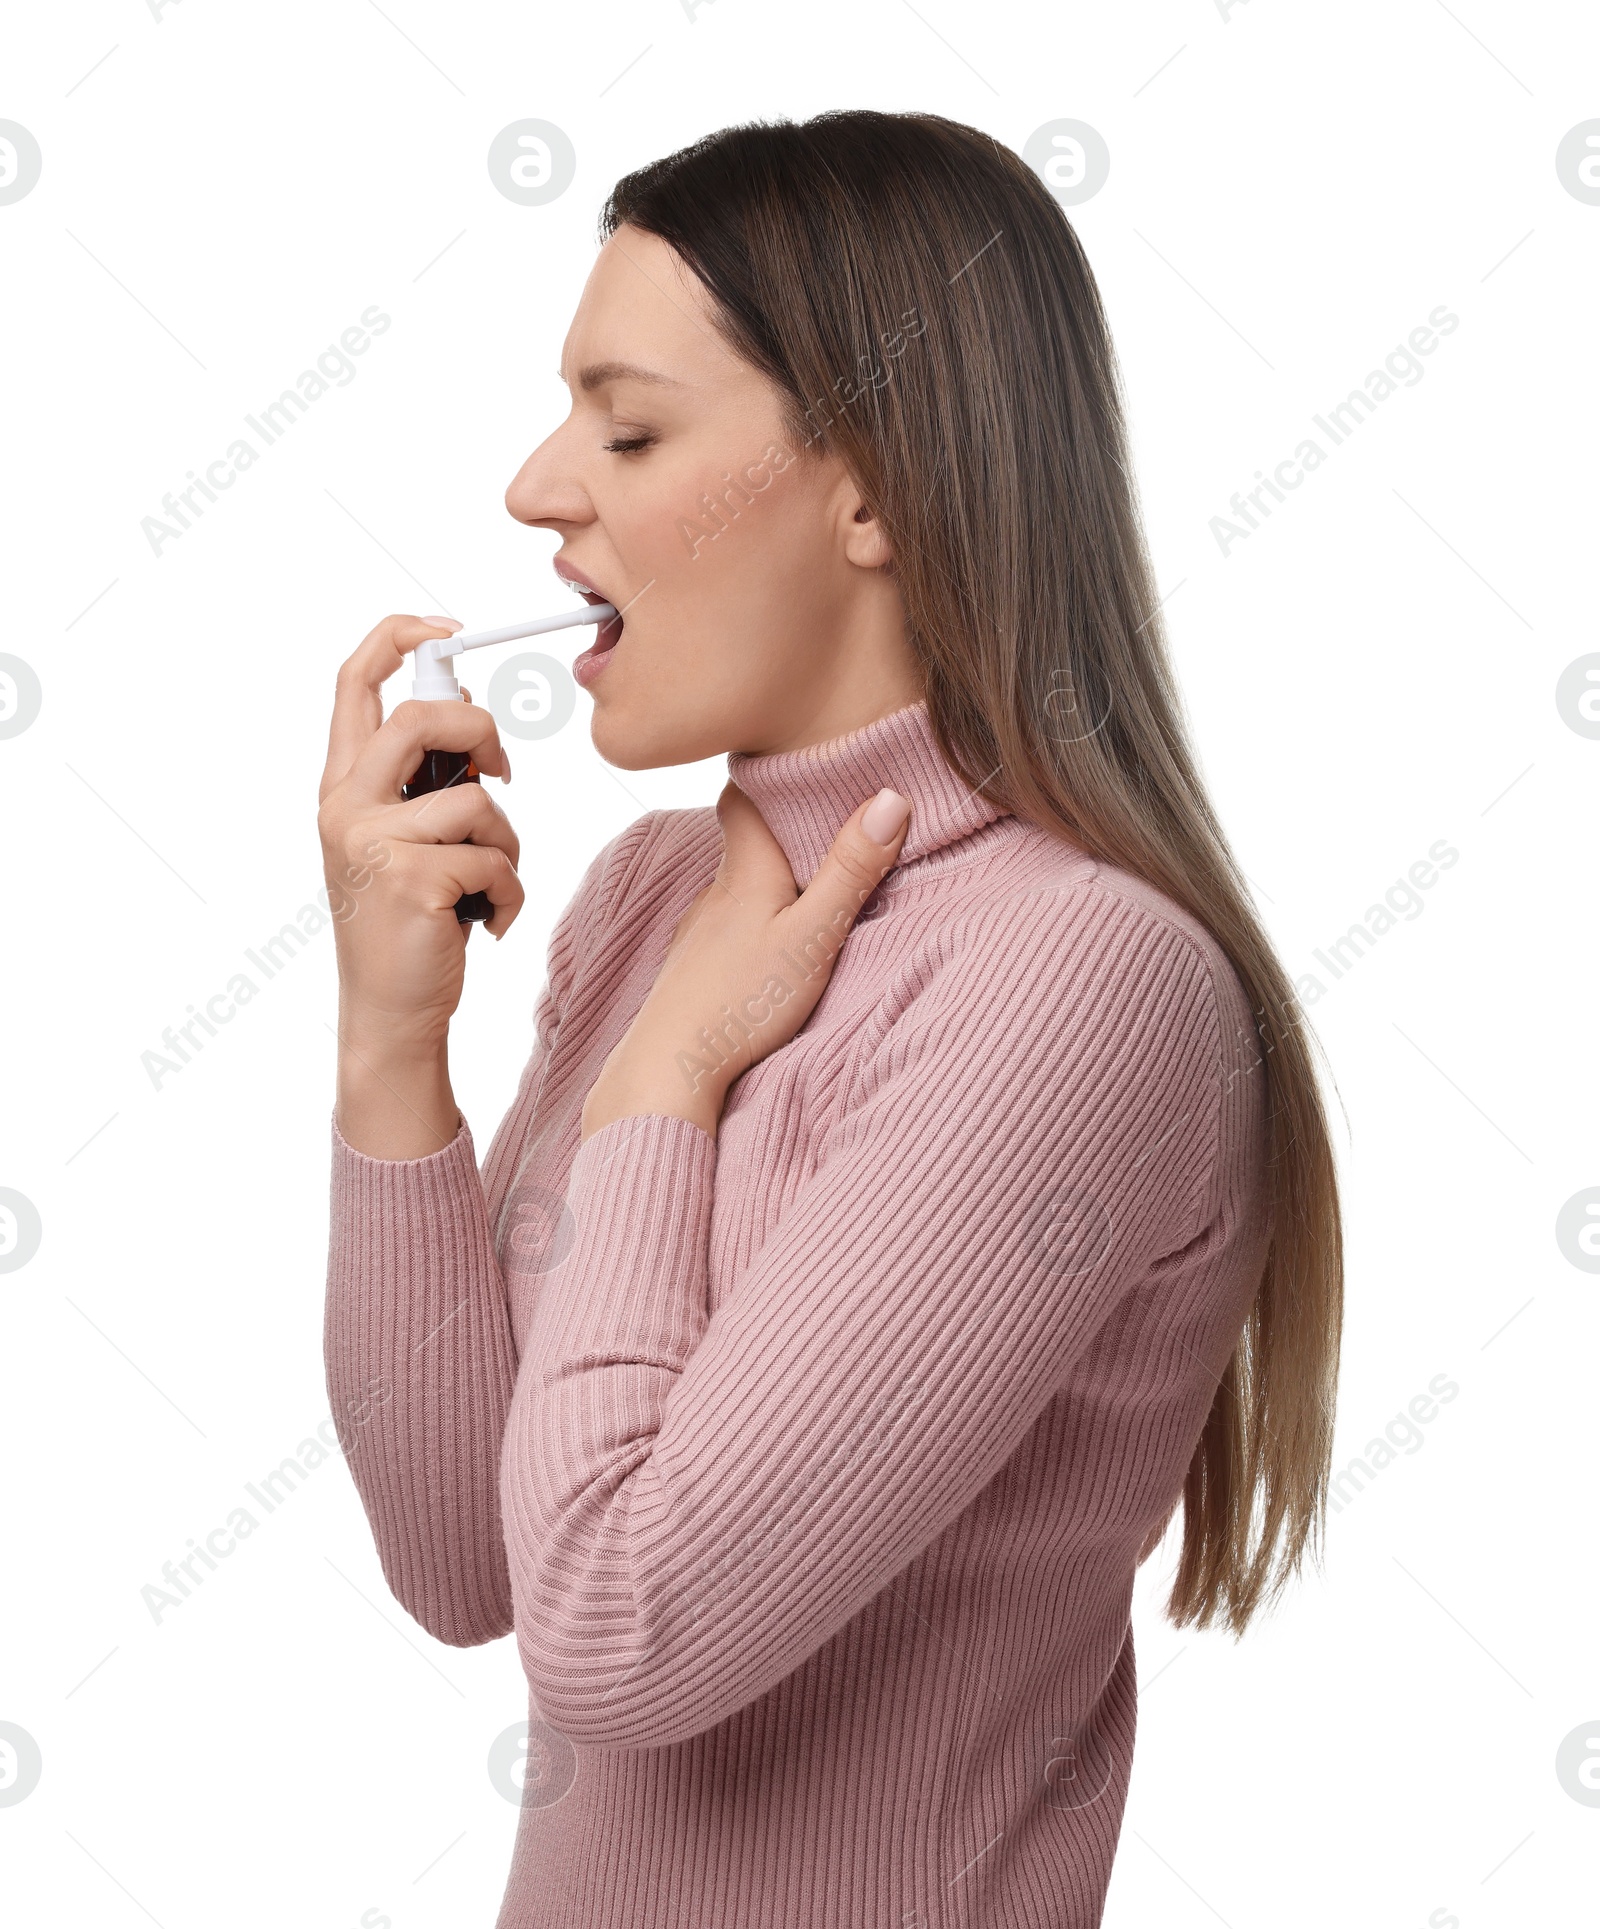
(810, 1464)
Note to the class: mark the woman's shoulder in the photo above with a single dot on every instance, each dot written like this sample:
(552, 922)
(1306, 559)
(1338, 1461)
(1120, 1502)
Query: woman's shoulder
(1121, 898)
(1051, 909)
(1051, 885)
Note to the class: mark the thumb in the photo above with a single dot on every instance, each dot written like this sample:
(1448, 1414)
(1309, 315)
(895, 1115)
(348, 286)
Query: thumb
(859, 859)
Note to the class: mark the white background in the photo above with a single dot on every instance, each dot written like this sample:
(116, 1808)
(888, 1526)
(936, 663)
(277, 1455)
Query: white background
(1292, 191)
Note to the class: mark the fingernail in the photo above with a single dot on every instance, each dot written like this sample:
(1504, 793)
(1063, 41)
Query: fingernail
(505, 774)
(884, 815)
(443, 622)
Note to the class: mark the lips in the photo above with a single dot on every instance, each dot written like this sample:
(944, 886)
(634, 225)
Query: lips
(589, 663)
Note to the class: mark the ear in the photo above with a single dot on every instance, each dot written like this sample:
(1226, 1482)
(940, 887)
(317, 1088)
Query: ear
(865, 543)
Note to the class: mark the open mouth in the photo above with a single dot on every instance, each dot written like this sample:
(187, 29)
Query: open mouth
(590, 662)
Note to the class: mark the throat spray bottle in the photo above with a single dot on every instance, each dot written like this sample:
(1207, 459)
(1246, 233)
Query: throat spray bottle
(434, 681)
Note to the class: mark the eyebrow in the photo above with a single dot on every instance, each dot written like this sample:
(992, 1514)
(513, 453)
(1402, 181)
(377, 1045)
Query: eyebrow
(599, 373)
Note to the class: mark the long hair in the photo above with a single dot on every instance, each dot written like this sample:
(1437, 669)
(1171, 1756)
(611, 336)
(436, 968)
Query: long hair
(926, 310)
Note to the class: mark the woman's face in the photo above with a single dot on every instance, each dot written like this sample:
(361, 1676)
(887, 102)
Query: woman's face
(759, 611)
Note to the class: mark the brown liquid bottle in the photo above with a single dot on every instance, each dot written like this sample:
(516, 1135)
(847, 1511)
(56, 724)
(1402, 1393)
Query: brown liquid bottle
(438, 770)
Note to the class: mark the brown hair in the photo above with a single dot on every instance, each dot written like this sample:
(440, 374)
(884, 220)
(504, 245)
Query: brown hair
(924, 306)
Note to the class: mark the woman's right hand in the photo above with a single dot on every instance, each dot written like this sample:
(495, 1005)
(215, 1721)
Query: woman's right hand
(395, 865)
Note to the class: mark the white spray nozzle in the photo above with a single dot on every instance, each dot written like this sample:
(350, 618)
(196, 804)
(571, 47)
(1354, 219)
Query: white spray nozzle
(432, 679)
(435, 680)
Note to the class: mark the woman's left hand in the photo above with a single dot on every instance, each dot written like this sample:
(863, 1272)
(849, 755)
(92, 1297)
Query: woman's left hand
(747, 963)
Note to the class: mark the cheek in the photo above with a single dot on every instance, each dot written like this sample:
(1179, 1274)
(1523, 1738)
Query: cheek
(658, 515)
(748, 528)
(659, 521)
(724, 524)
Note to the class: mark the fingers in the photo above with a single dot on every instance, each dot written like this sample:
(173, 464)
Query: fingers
(390, 756)
(489, 871)
(861, 856)
(433, 876)
(465, 813)
(357, 706)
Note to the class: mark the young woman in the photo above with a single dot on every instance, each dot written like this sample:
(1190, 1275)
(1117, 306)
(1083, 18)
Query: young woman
(919, 1186)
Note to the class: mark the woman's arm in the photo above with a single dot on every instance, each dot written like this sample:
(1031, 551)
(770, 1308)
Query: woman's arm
(417, 1332)
(694, 1505)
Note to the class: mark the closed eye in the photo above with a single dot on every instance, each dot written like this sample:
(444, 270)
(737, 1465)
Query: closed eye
(629, 444)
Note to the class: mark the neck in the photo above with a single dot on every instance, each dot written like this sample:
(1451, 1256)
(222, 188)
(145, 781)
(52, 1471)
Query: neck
(806, 795)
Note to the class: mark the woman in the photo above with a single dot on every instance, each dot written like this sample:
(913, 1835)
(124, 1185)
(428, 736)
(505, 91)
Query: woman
(919, 1185)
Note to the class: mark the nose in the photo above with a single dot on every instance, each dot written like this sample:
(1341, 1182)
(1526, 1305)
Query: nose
(547, 492)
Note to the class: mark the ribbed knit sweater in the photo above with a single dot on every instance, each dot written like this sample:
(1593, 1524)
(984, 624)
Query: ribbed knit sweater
(811, 1464)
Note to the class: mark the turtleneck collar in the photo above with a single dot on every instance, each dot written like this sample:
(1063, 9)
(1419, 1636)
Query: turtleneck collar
(806, 795)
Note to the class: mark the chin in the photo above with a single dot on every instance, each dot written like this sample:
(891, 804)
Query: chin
(643, 733)
(634, 742)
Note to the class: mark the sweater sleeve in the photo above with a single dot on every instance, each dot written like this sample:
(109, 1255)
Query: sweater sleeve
(694, 1503)
(418, 1350)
